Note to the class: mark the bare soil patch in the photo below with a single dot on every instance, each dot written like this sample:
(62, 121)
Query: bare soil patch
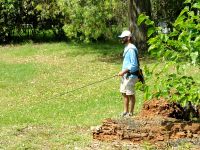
(155, 124)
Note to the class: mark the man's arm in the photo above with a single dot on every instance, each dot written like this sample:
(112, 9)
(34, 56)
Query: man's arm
(133, 61)
(121, 73)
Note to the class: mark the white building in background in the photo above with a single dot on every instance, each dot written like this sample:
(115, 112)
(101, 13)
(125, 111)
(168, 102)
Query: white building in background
(164, 26)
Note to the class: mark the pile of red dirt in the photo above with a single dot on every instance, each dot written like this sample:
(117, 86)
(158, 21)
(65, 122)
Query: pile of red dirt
(156, 107)
(166, 109)
(153, 124)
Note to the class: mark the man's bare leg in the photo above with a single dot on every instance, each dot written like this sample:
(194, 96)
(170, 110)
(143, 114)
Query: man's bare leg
(132, 103)
(126, 103)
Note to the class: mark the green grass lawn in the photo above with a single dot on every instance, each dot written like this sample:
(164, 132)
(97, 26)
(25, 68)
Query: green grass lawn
(34, 112)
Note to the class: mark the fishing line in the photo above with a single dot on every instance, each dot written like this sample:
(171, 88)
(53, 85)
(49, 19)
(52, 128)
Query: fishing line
(65, 93)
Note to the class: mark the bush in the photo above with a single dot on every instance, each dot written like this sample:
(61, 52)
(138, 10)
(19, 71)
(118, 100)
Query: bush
(93, 20)
(178, 50)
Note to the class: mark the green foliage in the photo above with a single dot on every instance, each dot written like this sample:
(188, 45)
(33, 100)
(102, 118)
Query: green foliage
(78, 20)
(92, 20)
(181, 48)
(165, 10)
(27, 17)
(172, 84)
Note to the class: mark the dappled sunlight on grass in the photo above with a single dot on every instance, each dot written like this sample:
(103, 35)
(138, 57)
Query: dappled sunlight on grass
(43, 136)
(36, 110)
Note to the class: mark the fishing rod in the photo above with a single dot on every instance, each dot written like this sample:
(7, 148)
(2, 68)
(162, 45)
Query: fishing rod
(65, 93)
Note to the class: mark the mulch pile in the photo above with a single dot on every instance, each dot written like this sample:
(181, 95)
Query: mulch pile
(154, 124)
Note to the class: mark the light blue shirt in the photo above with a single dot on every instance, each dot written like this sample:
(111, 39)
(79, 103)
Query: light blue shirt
(130, 59)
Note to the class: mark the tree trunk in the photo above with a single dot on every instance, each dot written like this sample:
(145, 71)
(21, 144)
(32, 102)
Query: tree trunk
(136, 7)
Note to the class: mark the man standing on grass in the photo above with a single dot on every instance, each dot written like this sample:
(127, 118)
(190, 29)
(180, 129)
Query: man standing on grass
(129, 67)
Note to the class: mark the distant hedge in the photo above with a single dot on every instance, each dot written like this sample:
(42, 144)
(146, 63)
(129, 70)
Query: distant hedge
(85, 20)
(29, 17)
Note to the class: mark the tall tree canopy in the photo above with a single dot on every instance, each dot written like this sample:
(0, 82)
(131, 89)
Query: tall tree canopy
(84, 20)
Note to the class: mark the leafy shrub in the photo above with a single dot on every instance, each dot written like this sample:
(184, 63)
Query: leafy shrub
(93, 20)
(178, 49)
(29, 17)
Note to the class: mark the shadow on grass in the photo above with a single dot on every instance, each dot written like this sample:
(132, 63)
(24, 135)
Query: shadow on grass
(109, 51)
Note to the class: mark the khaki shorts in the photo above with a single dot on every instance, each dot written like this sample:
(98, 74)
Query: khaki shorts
(127, 85)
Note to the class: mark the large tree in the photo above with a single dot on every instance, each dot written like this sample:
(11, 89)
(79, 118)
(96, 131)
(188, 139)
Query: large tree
(158, 10)
(136, 7)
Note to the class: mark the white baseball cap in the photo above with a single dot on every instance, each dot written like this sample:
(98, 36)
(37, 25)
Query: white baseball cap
(125, 33)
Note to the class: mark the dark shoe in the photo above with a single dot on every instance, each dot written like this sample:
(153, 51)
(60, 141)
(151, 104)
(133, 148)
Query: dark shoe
(124, 114)
(130, 114)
